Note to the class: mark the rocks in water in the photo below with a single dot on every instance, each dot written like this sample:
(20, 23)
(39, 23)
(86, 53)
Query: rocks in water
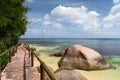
(60, 53)
(69, 75)
(80, 57)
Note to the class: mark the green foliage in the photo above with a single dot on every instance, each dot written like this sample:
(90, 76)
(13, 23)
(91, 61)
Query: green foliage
(12, 23)
(4, 60)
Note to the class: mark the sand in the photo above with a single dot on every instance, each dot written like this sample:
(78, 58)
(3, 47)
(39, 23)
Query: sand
(109, 74)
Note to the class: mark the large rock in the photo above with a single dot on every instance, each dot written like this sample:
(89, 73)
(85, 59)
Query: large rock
(69, 75)
(80, 57)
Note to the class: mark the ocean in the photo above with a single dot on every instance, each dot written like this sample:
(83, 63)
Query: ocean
(108, 47)
(105, 46)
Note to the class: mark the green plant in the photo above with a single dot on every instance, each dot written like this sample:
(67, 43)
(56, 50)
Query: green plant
(13, 23)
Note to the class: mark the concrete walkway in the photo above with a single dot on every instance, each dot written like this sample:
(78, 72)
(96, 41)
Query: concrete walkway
(20, 67)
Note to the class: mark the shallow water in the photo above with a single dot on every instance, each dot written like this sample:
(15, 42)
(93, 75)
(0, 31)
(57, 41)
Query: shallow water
(106, 46)
(109, 48)
(109, 74)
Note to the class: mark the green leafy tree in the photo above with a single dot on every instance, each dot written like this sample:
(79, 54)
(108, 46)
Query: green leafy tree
(12, 23)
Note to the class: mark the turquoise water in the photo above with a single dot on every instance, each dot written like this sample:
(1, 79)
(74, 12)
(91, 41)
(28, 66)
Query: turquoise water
(109, 48)
(106, 46)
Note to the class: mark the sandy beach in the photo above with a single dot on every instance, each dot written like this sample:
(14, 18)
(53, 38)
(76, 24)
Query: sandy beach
(109, 74)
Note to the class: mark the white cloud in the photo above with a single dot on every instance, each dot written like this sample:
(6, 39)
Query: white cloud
(81, 18)
(35, 20)
(46, 17)
(46, 21)
(30, 1)
(88, 20)
(113, 19)
(52, 24)
(36, 32)
(57, 25)
(116, 1)
(76, 15)
(115, 9)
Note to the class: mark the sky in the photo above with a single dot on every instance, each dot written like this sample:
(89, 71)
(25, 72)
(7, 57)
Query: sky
(73, 19)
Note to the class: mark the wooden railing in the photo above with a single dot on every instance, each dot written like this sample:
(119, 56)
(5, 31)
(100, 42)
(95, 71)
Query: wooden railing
(9, 54)
(14, 48)
(43, 66)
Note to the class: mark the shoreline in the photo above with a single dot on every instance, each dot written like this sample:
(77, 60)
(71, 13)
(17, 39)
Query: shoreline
(109, 74)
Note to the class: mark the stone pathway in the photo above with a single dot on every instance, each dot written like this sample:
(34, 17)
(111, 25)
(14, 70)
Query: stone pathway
(20, 67)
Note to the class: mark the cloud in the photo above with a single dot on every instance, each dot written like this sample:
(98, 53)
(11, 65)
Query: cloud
(35, 20)
(76, 15)
(116, 1)
(52, 24)
(30, 1)
(46, 21)
(36, 32)
(86, 19)
(74, 20)
(113, 18)
(115, 9)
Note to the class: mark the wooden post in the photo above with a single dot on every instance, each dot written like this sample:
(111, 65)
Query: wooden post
(0, 71)
(49, 73)
(9, 56)
(29, 52)
(42, 72)
(15, 49)
(46, 69)
(32, 60)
